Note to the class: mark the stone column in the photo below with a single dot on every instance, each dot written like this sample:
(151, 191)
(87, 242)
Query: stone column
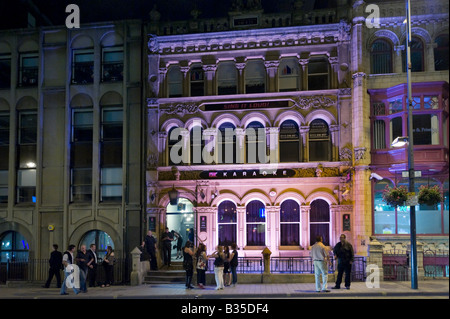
(304, 130)
(304, 224)
(163, 82)
(209, 153)
(334, 129)
(241, 240)
(375, 256)
(186, 149)
(304, 60)
(136, 276)
(240, 145)
(210, 77)
(272, 75)
(397, 58)
(334, 62)
(240, 66)
(186, 81)
(271, 213)
(274, 149)
(162, 148)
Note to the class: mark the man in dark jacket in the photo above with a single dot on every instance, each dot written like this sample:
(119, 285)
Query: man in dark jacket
(343, 251)
(150, 246)
(55, 262)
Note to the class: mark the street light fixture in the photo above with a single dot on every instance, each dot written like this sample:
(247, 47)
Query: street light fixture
(401, 141)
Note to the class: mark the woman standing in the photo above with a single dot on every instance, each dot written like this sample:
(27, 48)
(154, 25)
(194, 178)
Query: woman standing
(234, 263)
(202, 265)
(218, 266)
(108, 266)
(188, 264)
(226, 267)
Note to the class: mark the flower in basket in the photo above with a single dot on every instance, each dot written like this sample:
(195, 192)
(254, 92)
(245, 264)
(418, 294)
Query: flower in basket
(395, 196)
(430, 195)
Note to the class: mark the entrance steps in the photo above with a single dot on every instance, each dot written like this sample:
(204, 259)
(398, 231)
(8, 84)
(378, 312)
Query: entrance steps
(174, 274)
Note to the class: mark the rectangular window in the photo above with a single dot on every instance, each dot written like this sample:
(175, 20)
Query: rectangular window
(26, 157)
(379, 134)
(3, 186)
(81, 155)
(4, 140)
(318, 74)
(5, 71)
(111, 184)
(28, 69)
(425, 129)
(396, 128)
(112, 64)
(83, 66)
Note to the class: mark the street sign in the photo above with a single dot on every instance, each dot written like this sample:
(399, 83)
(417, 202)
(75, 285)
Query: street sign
(416, 174)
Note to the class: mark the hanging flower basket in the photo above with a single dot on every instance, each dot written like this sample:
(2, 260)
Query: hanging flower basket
(395, 196)
(430, 196)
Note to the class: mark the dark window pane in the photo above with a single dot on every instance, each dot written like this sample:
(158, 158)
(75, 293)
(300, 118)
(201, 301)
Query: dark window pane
(81, 155)
(256, 212)
(319, 230)
(5, 72)
(226, 212)
(256, 234)
(289, 211)
(26, 155)
(227, 234)
(422, 129)
(111, 154)
(320, 211)
(290, 234)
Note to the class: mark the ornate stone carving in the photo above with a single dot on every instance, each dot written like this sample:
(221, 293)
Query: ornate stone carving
(315, 102)
(181, 109)
(360, 153)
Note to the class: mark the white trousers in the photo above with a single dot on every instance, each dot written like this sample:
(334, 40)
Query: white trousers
(218, 273)
(321, 268)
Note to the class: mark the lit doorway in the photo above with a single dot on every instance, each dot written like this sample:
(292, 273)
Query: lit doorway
(180, 220)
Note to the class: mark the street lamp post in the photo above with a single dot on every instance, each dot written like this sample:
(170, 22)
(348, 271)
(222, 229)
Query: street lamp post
(412, 208)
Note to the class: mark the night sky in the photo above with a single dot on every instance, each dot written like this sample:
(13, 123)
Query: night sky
(13, 13)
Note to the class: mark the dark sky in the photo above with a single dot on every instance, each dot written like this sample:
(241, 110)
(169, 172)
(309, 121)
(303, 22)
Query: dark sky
(13, 13)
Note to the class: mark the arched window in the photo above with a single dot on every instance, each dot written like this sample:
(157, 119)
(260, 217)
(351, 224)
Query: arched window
(226, 78)
(256, 223)
(319, 221)
(197, 144)
(175, 81)
(319, 141)
(255, 77)
(289, 142)
(255, 140)
(441, 53)
(197, 80)
(289, 75)
(417, 55)
(290, 223)
(174, 147)
(227, 144)
(227, 223)
(13, 247)
(381, 57)
(318, 70)
(100, 239)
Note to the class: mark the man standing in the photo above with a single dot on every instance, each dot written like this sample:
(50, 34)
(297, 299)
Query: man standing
(82, 260)
(320, 259)
(55, 262)
(343, 252)
(92, 265)
(167, 246)
(150, 246)
(71, 272)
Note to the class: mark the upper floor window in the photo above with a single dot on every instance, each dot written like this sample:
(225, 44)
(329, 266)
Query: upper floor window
(112, 64)
(197, 144)
(28, 69)
(417, 55)
(5, 71)
(289, 75)
(83, 66)
(4, 156)
(227, 144)
(381, 57)
(441, 53)
(256, 223)
(319, 221)
(197, 80)
(227, 222)
(255, 77)
(290, 223)
(175, 81)
(289, 142)
(26, 157)
(255, 139)
(318, 78)
(319, 141)
(226, 78)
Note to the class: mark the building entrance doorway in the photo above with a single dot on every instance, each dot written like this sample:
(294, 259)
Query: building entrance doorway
(180, 220)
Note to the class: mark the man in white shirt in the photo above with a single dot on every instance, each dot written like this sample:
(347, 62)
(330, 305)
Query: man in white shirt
(320, 259)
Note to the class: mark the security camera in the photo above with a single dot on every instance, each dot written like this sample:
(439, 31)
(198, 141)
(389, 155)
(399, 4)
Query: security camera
(376, 176)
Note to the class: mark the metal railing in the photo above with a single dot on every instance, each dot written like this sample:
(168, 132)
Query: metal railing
(436, 263)
(36, 270)
(246, 265)
(396, 265)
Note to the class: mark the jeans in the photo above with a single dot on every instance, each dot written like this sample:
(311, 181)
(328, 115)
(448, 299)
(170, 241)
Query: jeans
(218, 272)
(344, 267)
(83, 276)
(234, 274)
(320, 268)
(63, 285)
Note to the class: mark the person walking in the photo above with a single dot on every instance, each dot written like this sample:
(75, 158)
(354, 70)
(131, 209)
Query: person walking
(202, 265)
(218, 266)
(55, 262)
(234, 264)
(92, 264)
(108, 265)
(180, 245)
(150, 247)
(71, 272)
(343, 252)
(188, 263)
(82, 259)
(167, 246)
(320, 259)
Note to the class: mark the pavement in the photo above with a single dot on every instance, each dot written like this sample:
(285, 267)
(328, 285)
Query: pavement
(434, 289)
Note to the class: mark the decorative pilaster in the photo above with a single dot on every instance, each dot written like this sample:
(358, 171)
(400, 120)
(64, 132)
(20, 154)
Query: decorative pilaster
(304, 224)
(272, 74)
(210, 77)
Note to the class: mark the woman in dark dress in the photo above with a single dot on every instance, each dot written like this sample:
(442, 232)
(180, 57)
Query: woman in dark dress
(188, 263)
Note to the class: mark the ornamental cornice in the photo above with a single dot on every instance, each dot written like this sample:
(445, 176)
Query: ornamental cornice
(248, 39)
(316, 101)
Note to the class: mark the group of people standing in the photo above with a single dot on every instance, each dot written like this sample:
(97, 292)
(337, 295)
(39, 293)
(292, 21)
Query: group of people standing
(343, 252)
(225, 265)
(79, 269)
